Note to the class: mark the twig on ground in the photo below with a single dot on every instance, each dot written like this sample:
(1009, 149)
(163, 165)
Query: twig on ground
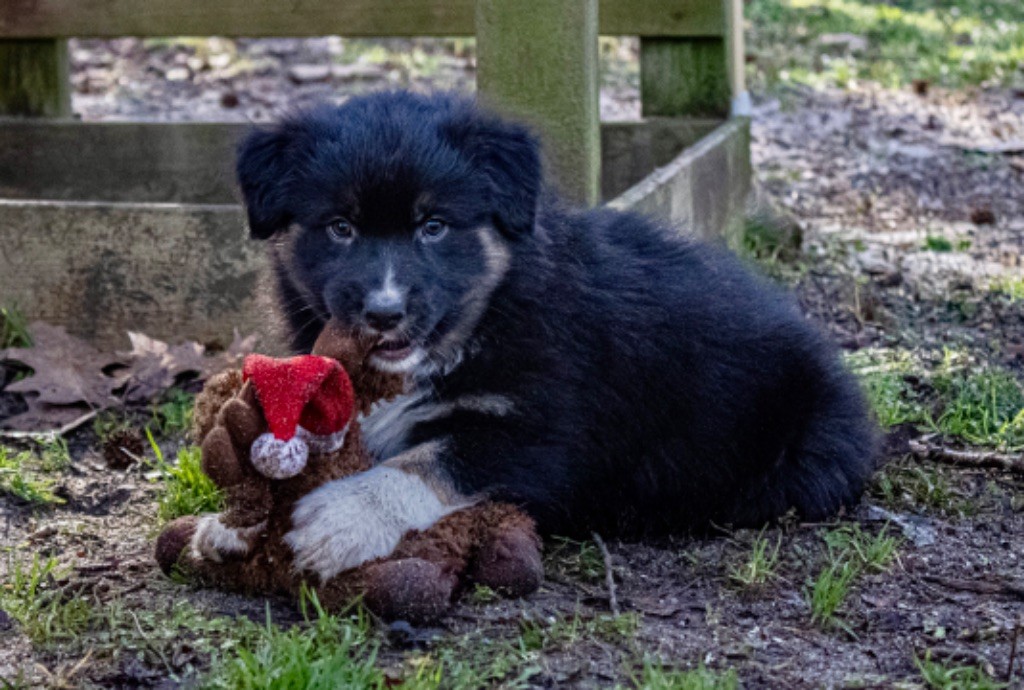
(1011, 589)
(969, 458)
(49, 435)
(609, 575)
(962, 655)
(145, 638)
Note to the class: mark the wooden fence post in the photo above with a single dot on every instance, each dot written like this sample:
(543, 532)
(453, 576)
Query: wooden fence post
(34, 79)
(736, 45)
(538, 59)
(696, 76)
(684, 76)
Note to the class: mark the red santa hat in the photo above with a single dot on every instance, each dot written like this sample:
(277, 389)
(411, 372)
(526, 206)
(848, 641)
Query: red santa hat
(307, 401)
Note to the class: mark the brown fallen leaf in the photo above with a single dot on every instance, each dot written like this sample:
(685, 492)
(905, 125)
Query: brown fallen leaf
(155, 366)
(66, 370)
(235, 353)
(41, 418)
(71, 379)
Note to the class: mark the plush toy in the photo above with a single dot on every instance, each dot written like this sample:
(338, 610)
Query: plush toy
(280, 428)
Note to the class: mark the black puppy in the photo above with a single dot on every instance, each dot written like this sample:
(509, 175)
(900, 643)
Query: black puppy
(594, 366)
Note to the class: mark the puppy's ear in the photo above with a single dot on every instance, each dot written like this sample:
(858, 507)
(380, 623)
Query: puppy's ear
(261, 169)
(507, 154)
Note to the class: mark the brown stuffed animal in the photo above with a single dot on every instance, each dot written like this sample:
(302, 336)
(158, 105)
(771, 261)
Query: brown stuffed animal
(264, 472)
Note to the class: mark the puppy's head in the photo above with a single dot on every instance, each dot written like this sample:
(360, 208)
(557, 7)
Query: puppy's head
(394, 214)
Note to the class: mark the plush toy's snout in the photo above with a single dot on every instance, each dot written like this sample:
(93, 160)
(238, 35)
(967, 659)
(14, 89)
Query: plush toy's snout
(307, 401)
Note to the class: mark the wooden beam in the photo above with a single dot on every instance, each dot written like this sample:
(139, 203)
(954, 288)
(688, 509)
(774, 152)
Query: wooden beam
(193, 162)
(630, 151)
(736, 47)
(537, 59)
(684, 77)
(34, 78)
(169, 271)
(703, 191)
(108, 18)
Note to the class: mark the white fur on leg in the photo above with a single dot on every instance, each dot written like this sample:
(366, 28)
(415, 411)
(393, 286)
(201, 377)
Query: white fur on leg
(214, 541)
(356, 519)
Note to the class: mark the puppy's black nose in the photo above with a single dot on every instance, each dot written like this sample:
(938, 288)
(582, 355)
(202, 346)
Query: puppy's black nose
(384, 311)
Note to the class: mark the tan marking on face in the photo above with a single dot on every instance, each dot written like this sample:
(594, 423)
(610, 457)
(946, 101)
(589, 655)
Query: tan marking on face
(497, 258)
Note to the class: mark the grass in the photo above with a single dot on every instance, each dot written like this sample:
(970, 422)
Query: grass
(19, 478)
(953, 43)
(829, 590)
(54, 455)
(1010, 287)
(936, 243)
(656, 676)
(107, 424)
(561, 632)
(984, 408)
(334, 651)
(45, 614)
(68, 624)
(927, 487)
(173, 416)
(579, 559)
(888, 377)
(850, 553)
(872, 552)
(939, 676)
(471, 661)
(186, 488)
(329, 652)
(761, 566)
(773, 247)
(13, 328)
(980, 405)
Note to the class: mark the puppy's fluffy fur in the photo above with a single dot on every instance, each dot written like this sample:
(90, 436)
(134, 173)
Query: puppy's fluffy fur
(593, 366)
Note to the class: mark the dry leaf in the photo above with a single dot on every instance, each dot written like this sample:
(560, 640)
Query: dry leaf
(71, 377)
(43, 418)
(236, 352)
(155, 365)
(67, 370)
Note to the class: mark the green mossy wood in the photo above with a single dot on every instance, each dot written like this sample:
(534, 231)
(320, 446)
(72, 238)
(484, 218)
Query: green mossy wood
(34, 78)
(370, 18)
(538, 59)
(684, 77)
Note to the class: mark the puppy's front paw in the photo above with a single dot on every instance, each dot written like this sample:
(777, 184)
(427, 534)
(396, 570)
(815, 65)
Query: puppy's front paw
(353, 520)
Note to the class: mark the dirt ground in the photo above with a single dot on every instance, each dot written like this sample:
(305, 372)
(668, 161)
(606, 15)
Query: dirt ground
(865, 183)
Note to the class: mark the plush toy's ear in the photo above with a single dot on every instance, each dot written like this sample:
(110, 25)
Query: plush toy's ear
(262, 169)
(507, 154)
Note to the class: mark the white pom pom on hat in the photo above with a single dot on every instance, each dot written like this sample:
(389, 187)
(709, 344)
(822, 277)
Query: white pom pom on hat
(307, 401)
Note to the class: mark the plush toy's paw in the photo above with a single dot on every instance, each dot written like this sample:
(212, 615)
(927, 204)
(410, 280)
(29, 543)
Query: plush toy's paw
(215, 541)
(189, 541)
(226, 447)
(173, 541)
(409, 589)
(219, 389)
(509, 563)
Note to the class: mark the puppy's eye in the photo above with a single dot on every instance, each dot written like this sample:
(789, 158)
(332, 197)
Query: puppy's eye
(340, 230)
(433, 230)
